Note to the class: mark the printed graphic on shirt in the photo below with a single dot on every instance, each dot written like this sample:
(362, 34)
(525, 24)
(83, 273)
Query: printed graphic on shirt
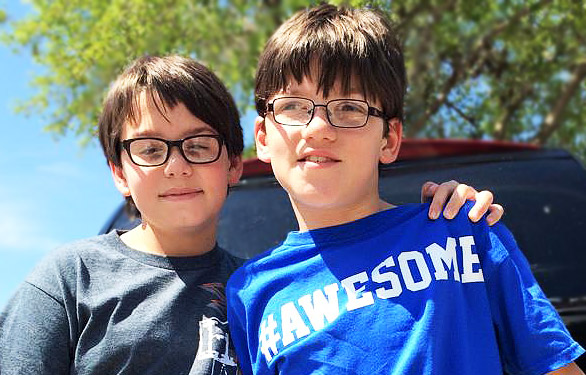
(411, 270)
(215, 353)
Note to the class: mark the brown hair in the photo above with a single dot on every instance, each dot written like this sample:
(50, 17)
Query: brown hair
(169, 80)
(339, 43)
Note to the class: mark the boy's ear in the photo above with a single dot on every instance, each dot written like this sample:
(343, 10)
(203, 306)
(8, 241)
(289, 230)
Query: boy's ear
(392, 142)
(119, 179)
(235, 171)
(260, 138)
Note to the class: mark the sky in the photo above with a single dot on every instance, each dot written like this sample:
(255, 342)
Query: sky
(52, 191)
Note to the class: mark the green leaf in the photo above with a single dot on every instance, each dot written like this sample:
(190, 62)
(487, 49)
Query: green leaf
(490, 69)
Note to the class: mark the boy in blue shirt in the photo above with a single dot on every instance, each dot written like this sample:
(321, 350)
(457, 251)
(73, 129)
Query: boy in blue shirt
(365, 287)
(149, 300)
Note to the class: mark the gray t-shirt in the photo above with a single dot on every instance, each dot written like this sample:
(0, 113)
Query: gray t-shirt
(96, 306)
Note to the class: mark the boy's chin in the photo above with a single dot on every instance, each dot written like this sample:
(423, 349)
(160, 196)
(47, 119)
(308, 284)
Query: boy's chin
(314, 194)
(320, 200)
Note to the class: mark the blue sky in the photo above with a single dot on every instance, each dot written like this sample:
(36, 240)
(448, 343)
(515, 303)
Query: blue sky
(52, 191)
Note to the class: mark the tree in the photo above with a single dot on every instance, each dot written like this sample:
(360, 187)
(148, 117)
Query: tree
(505, 70)
(491, 69)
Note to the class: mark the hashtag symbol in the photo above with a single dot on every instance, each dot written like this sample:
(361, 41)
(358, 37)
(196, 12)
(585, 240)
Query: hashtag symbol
(268, 337)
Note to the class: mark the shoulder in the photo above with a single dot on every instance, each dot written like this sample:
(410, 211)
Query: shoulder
(250, 268)
(494, 244)
(231, 262)
(413, 220)
(88, 248)
(62, 265)
(44, 314)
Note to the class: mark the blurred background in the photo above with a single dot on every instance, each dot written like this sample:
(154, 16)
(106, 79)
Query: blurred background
(495, 70)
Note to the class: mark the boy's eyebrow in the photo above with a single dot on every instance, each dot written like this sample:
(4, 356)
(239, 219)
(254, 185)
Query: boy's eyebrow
(352, 92)
(296, 89)
(194, 131)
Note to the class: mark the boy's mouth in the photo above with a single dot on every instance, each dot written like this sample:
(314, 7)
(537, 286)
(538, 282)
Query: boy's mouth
(179, 193)
(318, 159)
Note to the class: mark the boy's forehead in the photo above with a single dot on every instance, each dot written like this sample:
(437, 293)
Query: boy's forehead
(310, 82)
(150, 116)
(145, 106)
(309, 87)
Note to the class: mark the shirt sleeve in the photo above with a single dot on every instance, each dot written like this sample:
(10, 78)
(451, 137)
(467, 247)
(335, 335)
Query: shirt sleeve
(34, 334)
(237, 324)
(531, 335)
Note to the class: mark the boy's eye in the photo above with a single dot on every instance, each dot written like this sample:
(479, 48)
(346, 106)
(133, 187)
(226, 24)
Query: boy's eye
(350, 107)
(293, 106)
(149, 150)
(197, 148)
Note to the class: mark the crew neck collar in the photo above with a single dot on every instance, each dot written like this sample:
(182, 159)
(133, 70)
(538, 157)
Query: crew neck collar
(207, 259)
(355, 230)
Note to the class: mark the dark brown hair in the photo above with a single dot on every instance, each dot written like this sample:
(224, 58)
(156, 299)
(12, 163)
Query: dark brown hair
(331, 43)
(169, 80)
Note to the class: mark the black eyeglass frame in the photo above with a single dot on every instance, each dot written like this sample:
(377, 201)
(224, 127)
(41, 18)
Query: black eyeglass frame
(176, 143)
(372, 111)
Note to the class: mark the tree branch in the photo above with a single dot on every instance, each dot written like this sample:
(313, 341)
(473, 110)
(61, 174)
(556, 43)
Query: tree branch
(407, 16)
(437, 103)
(552, 120)
(512, 106)
(477, 56)
(471, 120)
(425, 40)
(274, 6)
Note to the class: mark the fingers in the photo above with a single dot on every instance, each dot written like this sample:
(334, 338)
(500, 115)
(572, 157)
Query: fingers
(496, 212)
(460, 195)
(482, 203)
(440, 196)
(427, 191)
(456, 195)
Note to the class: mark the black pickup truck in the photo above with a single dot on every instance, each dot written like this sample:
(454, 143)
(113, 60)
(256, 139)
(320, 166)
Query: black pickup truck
(543, 192)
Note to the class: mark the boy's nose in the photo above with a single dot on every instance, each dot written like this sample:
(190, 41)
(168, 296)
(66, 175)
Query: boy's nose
(319, 127)
(177, 165)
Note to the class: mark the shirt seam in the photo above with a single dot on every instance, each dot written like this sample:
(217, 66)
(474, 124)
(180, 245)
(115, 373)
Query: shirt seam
(46, 293)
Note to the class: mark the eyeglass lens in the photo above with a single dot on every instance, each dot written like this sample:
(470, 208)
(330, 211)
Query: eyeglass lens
(151, 151)
(346, 113)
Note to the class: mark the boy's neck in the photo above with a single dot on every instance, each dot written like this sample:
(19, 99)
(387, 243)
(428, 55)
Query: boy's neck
(177, 244)
(309, 218)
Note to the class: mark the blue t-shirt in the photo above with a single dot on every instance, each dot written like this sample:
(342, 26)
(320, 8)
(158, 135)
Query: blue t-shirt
(395, 293)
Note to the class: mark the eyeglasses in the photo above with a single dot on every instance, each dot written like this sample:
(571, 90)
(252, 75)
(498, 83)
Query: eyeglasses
(152, 152)
(342, 113)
